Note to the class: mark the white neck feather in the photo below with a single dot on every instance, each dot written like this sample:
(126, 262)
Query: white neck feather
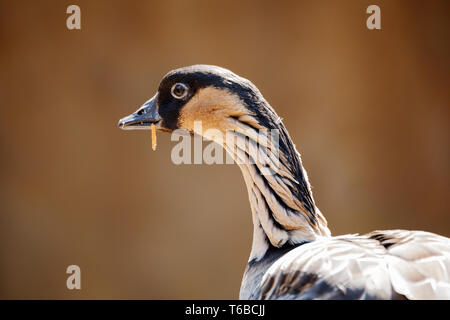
(279, 216)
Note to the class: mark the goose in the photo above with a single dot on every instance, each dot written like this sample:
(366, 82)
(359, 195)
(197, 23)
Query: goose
(293, 254)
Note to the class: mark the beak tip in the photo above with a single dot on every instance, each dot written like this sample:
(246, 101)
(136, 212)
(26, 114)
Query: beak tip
(142, 118)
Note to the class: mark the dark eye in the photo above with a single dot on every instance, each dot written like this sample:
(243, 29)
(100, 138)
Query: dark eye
(179, 90)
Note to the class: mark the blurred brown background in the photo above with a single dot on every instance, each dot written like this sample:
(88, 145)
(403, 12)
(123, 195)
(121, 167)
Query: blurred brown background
(368, 110)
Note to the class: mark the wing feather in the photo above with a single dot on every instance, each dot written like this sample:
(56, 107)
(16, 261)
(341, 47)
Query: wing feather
(389, 264)
(419, 263)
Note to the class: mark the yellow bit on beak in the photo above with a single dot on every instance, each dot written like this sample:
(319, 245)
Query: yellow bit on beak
(153, 137)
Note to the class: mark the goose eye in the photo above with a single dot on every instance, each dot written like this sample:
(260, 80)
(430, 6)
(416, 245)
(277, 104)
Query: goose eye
(179, 90)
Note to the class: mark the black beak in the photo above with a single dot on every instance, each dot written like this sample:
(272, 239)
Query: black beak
(143, 118)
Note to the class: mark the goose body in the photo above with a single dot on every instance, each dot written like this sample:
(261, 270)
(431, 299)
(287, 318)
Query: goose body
(293, 254)
(394, 264)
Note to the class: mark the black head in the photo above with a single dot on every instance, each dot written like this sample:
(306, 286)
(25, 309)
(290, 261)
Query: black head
(204, 93)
